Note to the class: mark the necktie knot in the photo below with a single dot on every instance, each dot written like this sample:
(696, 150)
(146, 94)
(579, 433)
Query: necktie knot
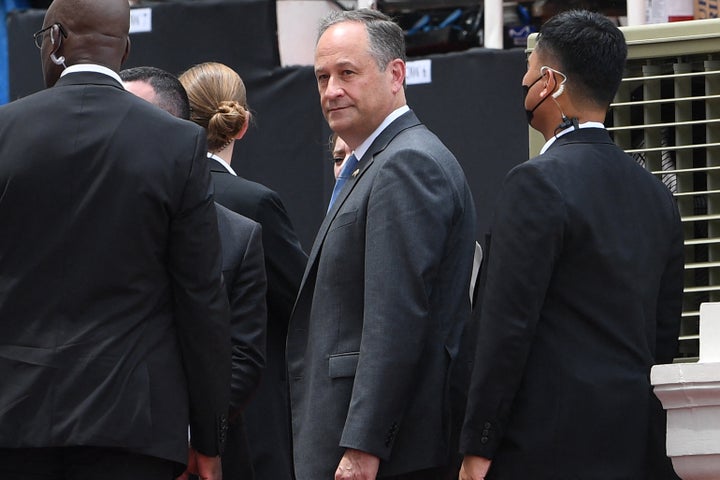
(345, 173)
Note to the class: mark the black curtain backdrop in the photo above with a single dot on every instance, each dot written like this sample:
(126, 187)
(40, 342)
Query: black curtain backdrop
(475, 106)
(474, 103)
(183, 34)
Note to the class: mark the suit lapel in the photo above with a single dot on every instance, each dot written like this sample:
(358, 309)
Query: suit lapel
(405, 121)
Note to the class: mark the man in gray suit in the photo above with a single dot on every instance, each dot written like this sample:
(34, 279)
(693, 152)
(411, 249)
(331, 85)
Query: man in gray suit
(376, 326)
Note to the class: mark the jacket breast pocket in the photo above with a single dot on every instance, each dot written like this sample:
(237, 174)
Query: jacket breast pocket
(343, 364)
(344, 219)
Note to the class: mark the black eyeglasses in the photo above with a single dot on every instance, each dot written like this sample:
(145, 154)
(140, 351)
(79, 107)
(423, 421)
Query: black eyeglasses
(40, 34)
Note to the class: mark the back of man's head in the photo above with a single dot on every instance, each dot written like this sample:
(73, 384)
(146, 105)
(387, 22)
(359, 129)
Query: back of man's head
(170, 95)
(93, 31)
(590, 49)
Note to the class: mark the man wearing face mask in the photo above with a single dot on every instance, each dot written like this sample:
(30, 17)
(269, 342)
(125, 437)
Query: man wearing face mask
(584, 285)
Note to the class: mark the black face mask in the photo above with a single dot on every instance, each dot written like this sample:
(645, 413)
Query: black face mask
(526, 90)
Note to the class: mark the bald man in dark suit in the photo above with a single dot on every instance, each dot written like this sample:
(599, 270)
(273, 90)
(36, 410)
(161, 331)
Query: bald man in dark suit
(113, 317)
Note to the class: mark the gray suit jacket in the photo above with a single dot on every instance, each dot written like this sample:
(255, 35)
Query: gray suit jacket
(376, 327)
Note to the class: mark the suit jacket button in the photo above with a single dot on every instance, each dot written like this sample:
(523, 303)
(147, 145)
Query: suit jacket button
(483, 440)
(487, 425)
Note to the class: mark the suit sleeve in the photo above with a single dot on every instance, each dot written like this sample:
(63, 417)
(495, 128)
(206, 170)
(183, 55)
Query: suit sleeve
(410, 211)
(285, 258)
(248, 323)
(527, 238)
(201, 305)
(669, 305)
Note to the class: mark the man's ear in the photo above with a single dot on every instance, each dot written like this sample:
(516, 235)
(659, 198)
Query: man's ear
(55, 38)
(397, 70)
(127, 51)
(550, 79)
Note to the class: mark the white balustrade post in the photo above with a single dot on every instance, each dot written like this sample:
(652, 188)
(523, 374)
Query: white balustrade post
(690, 392)
(494, 27)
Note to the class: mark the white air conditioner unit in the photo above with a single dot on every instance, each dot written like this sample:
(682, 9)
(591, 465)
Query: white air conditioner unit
(667, 116)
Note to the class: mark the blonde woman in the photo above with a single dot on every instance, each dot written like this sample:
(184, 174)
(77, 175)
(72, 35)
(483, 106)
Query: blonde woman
(218, 102)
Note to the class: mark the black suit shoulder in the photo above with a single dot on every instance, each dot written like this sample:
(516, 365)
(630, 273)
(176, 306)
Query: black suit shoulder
(592, 156)
(235, 231)
(241, 195)
(284, 257)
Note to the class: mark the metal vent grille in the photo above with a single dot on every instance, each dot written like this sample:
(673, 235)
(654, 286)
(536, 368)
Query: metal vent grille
(667, 116)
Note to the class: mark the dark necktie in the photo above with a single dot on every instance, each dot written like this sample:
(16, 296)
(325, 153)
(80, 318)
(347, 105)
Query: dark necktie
(347, 170)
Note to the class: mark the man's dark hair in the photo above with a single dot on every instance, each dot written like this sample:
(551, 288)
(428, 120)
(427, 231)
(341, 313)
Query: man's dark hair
(590, 49)
(170, 94)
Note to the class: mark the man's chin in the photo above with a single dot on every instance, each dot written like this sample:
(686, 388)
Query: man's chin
(337, 121)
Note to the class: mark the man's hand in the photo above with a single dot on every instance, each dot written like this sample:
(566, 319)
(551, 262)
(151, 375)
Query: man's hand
(357, 465)
(474, 468)
(191, 465)
(206, 468)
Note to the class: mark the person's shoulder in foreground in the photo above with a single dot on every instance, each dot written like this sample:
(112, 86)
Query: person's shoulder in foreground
(115, 300)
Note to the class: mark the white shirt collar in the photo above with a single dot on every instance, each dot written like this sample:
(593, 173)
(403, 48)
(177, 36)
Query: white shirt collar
(91, 67)
(222, 162)
(363, 148)
(568, 130)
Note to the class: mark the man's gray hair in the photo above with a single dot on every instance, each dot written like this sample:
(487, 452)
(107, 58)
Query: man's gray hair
(386, 38)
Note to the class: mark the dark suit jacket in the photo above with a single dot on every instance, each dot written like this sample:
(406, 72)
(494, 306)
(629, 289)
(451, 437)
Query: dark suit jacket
(583, 295)
(244, 274)
(376, 327)
(113, 320)
(266, 414)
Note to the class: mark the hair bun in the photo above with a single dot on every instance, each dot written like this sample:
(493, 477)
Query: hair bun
(228, 120)
(229, 107)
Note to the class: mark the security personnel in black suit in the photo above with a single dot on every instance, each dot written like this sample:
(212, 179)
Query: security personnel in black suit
(113, 318)
(583, 288)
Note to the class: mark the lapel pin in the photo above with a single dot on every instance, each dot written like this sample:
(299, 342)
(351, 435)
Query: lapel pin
(355, 173)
